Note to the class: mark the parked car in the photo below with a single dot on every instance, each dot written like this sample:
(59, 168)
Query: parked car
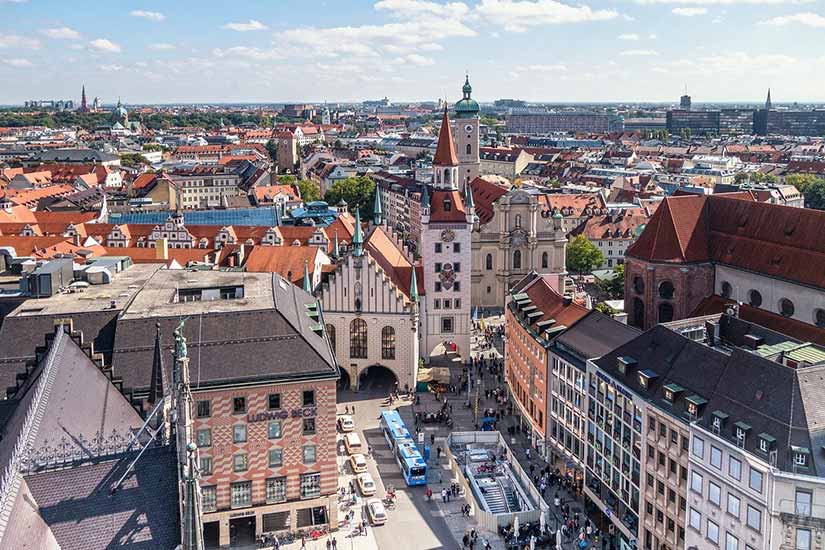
(376, 512)
(346, 424)
(358, 463)
(366, 485)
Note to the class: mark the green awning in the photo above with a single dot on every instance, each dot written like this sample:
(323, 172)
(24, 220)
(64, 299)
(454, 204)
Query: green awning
(767, 437)
(720, 415)
(674, 388)
(743, 426)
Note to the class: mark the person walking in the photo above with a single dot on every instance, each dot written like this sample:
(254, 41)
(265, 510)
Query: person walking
(334, 543)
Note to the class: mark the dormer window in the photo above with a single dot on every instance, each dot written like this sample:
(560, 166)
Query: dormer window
(624, 363)
(448, 206)
(800, 456)
(766, 443)
(717, 423)
(695, 403)
(672, 391)
(646, 377)
(741, 431)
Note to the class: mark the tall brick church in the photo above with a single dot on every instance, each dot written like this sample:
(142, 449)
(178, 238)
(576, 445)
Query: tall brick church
(766, 257)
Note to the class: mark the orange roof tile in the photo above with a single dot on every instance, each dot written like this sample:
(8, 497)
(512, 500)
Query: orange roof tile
(288, 261)
(441, 201)
(445, 150)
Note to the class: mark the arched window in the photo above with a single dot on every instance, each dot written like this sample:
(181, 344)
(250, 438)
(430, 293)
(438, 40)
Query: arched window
(666, 290)
(727, 290)
(358, 339)
(544, 260)
(517, 259)
(469, 149)
(518, 220)
(446, 175)
(755, 298)
(388, 343)
(489, 261)
(638, 284)
(665, 312)
(786, 307)
(330, 330)
(638, 313)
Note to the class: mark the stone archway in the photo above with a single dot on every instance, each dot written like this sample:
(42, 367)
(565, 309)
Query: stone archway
(344, 381)
(378, 378)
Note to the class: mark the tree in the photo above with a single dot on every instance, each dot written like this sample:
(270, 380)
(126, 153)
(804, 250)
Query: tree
(152, 147)
(132, 160)
(615, 286)
(815, 195)
(357, 191)
(754, 177)
(801, 181)
(309, 191)
(605, 309)
(583, 256)
(272, 149)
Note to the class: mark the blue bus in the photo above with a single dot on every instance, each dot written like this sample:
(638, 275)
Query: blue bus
(413, 467)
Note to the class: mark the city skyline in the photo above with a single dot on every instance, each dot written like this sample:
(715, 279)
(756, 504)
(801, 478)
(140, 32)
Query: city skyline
(411, 50)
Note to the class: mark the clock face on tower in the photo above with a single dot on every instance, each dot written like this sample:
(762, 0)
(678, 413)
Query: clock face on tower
(447, 235)
(468, 128)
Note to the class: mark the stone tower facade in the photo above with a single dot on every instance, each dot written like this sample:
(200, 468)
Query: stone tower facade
(467, 135)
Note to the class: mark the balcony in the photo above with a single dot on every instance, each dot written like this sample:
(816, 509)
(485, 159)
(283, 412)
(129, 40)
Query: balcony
(802, 515)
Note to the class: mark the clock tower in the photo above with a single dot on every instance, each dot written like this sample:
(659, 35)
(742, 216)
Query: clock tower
(466, 135)
(447, 217)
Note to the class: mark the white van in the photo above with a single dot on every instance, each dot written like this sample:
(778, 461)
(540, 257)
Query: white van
(353, 443)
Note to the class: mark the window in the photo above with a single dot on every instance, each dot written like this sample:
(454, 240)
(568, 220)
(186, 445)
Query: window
(638, 284)
(666, 290)
(695, 519)
(209, 498)
(544, 260)
(273, 401)
(696, 482)
(651, 424)
(800, 459)
(276, 458)
(276, 489)
(457, 303)
(308, 454)
(241, 494)
(358, 339)
(204, 437)
(438, 248)
(786, 307)
(437, 286)
(388, 343)
(819, 317)
(204, 408)
(330, 330)
(518, 220)
(239, 405)
(733, 505)
(438, 267)
(715, 457)
(310, 485)
(488, 262)
(755, 298)
(731, 542)
(457, 286)
(727, 290)
(239, 433)
(754, 518)
(309, 426)
(517, 259)
(714, 493)
(437, 303)
(446, 324)
(803, 539)
(205, 465)
(665, 312)
(713, 532)
(240, 462)
(734, 468)
(456, 248)
(469, 149)
(756, 480)
(803, 503)
(274, 431)
(308, 398)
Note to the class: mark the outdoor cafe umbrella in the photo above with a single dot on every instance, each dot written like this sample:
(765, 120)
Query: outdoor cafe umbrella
(543, 521)
(515, 527)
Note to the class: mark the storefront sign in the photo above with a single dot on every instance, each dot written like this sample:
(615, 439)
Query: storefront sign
(243, 514)
(307, 412)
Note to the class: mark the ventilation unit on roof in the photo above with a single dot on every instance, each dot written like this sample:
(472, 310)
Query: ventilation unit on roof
(753, 341)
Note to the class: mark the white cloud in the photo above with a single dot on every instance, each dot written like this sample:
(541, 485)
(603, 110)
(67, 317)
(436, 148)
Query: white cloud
(245, 52)
(161, 46)
(17, 41)
(18, 63)
(150, 15)
(538, 68)
(519, 15)
(104, 45)
(629, 36)
(61, 33)
(689, 12)
(415, 59)
(110, 68)
(738, 63)
(639, 53)
(652, 36)
(416, 8)
(807, 19)
(251, 25)
(725, 2)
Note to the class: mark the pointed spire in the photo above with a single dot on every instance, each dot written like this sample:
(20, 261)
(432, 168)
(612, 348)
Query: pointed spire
(156, 383)
(192, 524)
(357, 237)
(445, 154)
(413, 286)
(768, 104)
(425, 198)
(377, 213)
(307, 281)
(468, 196)
(336, 252)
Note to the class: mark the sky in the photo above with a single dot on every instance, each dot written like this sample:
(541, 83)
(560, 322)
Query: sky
(412, 50)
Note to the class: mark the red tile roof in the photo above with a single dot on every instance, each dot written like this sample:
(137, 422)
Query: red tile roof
(486, 191)
(384, 250)
(445, 150)
(553, 305)
(438, 207)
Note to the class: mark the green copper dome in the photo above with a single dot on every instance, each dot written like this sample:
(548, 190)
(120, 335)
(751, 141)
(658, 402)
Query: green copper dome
(467, 106)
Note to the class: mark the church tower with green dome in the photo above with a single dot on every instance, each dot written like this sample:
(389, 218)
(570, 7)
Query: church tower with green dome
(466, 135)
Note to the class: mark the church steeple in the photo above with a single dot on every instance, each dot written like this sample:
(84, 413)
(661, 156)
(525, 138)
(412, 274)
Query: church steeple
(413, 286)
(377, 212)
(307, 281)
(336, 251)
(445, 163)
(156, 383)
(768, 104)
